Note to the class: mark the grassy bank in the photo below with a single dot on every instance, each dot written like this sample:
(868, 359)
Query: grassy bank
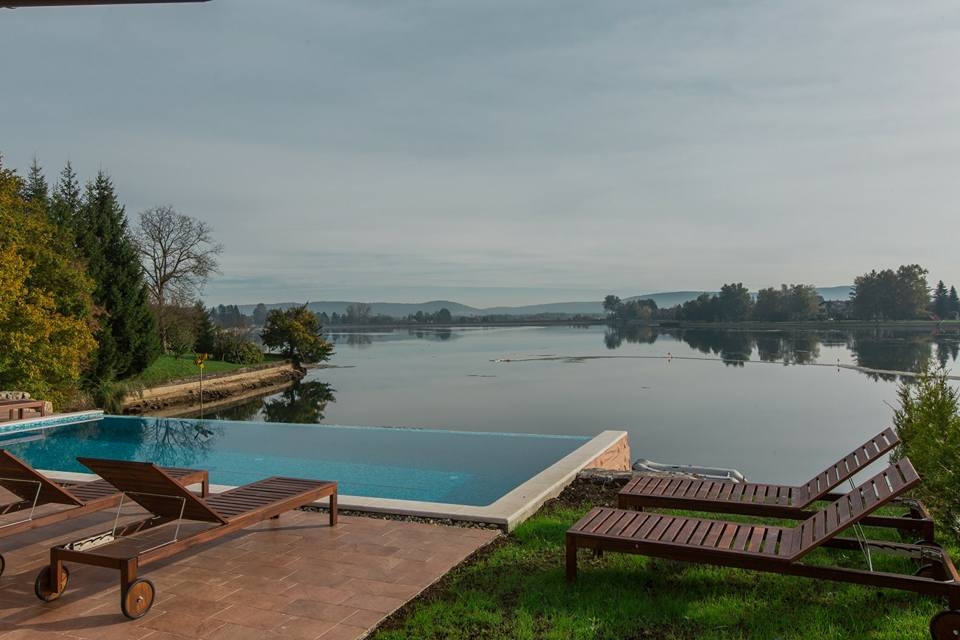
(516, 589)
(168, 367)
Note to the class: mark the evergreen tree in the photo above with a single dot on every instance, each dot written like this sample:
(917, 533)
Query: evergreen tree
(953, 302)
(205, 331)
(36, 190)
(127, 339)
(66, 200)
(941, 300)
(260, 314)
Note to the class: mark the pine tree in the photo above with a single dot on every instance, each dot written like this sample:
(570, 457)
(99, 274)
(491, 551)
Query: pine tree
(66, 200)
(941, 300)
(204, 329)
(953, 306)
(127, 339)
(36, 189)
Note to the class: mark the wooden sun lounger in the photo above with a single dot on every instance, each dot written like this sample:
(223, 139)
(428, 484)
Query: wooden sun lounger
(34, 489)
(192, 521)
(772, 500)
(778, 549)
(19, 406)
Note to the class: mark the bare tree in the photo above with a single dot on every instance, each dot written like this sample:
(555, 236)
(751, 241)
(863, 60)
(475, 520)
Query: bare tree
(178, 255)
(358, 312)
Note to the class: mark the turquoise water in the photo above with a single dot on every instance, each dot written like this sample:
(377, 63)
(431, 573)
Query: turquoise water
(411, 464)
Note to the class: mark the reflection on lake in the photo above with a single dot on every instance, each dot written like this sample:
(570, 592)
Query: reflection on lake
(771, 403)
(302, 403)
(881, 348)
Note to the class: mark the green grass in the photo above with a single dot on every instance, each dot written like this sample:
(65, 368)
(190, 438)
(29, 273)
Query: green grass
(516, 589)
(169, 367)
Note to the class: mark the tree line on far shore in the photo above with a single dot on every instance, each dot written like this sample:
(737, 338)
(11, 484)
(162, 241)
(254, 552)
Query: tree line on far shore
(87, 300)
(886, 295)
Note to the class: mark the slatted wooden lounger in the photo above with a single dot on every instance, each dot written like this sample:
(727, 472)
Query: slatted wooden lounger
(772, 500)
(17, 407)
(33, 489)
(779, 549)
(190, 521)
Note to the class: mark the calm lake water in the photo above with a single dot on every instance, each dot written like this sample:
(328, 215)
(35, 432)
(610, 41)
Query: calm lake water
(772, 404)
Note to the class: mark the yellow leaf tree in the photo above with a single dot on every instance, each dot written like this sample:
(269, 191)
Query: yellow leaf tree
(46, 309)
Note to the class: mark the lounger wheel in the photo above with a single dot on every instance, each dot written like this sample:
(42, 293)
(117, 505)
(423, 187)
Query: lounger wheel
(137, 598)
(945, 625)
(45, 590)
(930, 570)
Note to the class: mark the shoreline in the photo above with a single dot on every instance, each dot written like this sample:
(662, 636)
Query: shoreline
(663, 324)
(182, 396)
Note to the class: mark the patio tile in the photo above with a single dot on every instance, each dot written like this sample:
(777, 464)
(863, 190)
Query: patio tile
(305, 628)
(295, 578)
(344, 632)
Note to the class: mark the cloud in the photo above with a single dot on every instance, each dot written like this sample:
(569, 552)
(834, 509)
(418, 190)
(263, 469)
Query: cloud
(509, 146)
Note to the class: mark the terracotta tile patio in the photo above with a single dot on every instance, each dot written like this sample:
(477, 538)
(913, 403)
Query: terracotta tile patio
(294, 578)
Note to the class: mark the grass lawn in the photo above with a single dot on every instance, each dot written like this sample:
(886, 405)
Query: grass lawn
(168, 367)
(516, 589)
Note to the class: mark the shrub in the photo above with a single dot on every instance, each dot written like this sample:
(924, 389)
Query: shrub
(110, 394)
(248, 353)
(237, 349)
(928, 424)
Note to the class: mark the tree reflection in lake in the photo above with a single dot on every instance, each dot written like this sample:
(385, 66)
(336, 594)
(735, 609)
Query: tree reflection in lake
(881, 348)
(636, 334)
(948, 346)
(890, 350)
(789, 347)
(351, 339)
(176, 442)
(441, 333)
(304, 402)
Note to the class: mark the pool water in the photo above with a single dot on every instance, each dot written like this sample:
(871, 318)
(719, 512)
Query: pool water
(411, 464)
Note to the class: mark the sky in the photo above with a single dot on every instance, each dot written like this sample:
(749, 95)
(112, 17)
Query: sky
(508, 151)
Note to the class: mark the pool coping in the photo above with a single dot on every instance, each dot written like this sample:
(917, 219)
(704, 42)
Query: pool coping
(39, 423)
(506, 512)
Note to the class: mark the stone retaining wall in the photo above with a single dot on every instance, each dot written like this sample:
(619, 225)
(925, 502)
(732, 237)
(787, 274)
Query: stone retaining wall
(219, 387)
(14, 395)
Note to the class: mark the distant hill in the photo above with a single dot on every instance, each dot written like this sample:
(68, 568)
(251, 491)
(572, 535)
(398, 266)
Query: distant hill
(835, 293)
(392, 309)
(404, 309)
(673, 298)
(570, 308)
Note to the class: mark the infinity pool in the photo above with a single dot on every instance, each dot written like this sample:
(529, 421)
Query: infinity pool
(410, 464)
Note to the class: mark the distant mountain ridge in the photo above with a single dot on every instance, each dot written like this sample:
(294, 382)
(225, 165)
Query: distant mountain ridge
(404, 309)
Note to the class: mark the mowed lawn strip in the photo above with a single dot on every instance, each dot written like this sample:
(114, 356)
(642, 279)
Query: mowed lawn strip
(515, 588)
(168, 367)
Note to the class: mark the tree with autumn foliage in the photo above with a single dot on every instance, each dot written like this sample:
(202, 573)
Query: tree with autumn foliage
(46, 307)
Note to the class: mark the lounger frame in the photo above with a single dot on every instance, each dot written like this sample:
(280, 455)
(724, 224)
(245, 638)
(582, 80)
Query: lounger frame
(79, 498)
(251, 504)
(772, 500)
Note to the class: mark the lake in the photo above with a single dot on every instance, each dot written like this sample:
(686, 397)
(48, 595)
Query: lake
(773, 404)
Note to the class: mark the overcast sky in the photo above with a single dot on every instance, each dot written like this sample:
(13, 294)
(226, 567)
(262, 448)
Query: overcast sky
(514, 151)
